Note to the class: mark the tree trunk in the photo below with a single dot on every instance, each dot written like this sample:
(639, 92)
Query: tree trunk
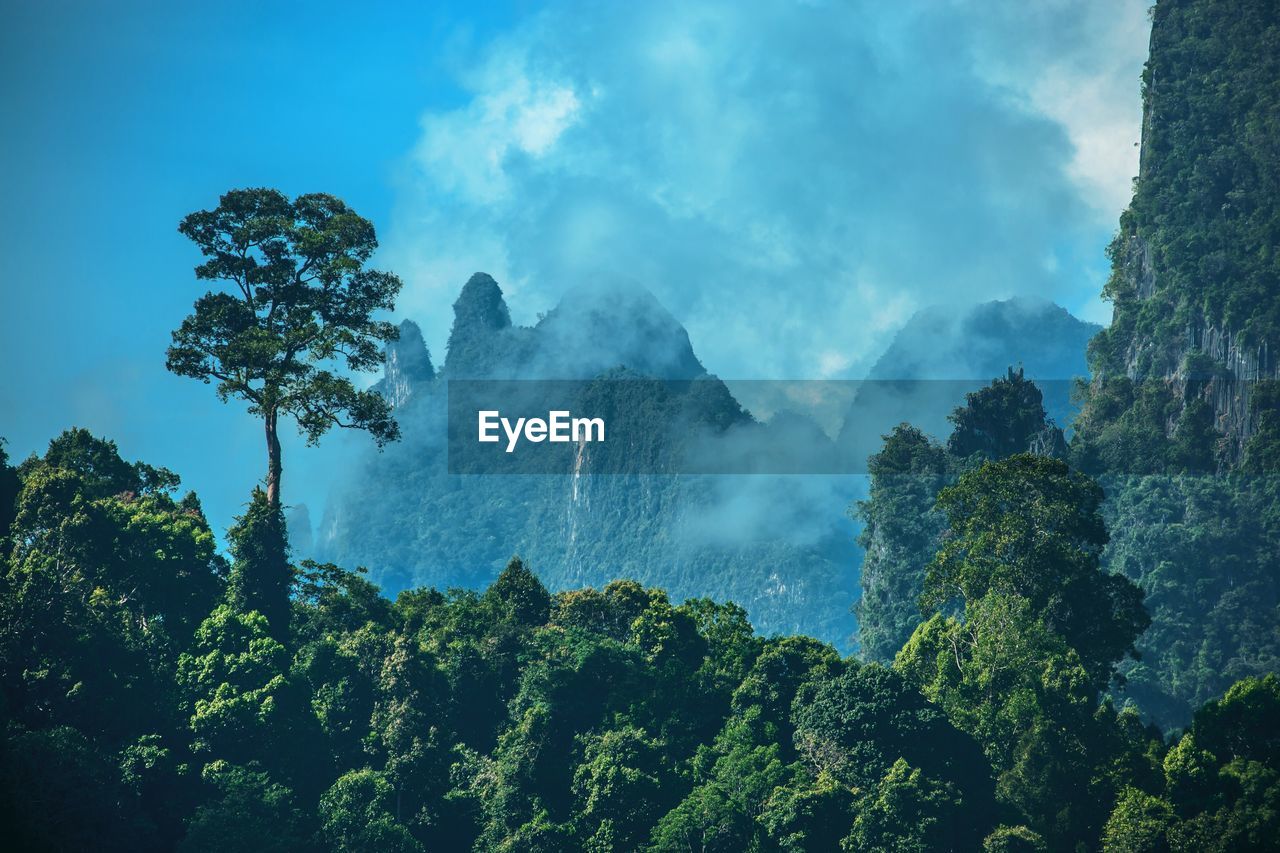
(273, 462)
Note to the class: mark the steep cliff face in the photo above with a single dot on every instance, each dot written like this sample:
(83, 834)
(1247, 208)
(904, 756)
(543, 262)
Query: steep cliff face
(482, 336)
(406, 366)
(1162, 340)
(1179, 418)
(1196, 278)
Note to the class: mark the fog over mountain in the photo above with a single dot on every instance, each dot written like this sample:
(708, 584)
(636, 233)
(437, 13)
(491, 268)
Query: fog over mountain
(791, 180)
(945, 351)
(805, 177)
(980, 341)
(412, 523)
(782, 546)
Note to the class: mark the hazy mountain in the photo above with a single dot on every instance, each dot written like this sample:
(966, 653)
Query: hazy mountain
(981, 341)
(407, 365)
(945, 351)
(781, 547)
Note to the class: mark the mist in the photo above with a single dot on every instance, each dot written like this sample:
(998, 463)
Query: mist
(792, 180)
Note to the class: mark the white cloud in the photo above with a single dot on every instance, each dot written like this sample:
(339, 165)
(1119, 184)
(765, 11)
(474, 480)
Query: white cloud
(466, 151)
(1079, 64)
(757, 165)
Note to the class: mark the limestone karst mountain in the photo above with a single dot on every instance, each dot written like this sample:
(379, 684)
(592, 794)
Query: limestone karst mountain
(781, 547)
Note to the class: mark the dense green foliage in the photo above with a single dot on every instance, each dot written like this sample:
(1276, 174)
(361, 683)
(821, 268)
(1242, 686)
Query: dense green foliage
(1205, 217)
(1047, 632)
(1203, 550)
(1004, 418)
(902, 531)
(903, 527)
(149, 704)
(1218, 789)
(260, 575)
(1178, 423)
(1036, 633)
(1200, 547)
(1180, 390)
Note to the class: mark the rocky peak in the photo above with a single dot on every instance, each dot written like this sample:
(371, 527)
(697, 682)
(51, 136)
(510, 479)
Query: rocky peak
(592, 330)
(406, 365)
(480, 306)
(479, 315)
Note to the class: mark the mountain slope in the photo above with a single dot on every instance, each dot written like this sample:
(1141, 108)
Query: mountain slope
(939, 356)
(1181, 420)
(1195, 277)
(778, 546)
(981, 341)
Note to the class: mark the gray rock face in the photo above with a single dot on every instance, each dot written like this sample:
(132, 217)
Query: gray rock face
(1204, 361)
(407, 366)
(1229, 390)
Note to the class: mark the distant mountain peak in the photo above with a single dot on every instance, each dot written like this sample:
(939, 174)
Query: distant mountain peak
(604, 326)
(980, 341)
(406, 365)
(945, 351)
(480, 305)
(480, 320)
(591, 330)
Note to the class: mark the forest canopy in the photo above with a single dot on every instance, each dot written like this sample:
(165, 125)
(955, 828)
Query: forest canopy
(149, 703)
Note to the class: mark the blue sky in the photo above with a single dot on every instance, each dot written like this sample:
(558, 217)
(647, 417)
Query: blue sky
(791, 179)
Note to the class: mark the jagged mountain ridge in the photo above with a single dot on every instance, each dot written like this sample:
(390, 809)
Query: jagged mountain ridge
(781, 546)
(411, 523)
(590, 331)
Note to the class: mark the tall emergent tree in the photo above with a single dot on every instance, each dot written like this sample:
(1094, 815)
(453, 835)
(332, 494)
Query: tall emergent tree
(297, 298)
